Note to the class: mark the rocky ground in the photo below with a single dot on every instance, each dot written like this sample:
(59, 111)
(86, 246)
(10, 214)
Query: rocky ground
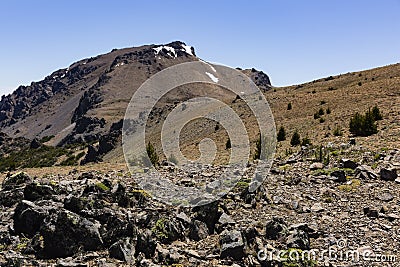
(314, 200)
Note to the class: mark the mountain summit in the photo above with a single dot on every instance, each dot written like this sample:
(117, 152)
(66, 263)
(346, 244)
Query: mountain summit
(85, 101)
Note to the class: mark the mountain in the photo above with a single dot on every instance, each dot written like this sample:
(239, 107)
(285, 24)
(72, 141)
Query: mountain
(80, 108)
(86, 101)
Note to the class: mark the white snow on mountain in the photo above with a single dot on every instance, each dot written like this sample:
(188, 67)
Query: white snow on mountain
(212, 77)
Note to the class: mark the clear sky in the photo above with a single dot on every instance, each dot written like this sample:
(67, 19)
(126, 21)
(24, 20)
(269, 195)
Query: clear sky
(292, 41)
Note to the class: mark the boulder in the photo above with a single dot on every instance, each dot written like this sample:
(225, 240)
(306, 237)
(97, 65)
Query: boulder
(123, 250)
(66, 233)
(198, 230)
(16, 180)
(145, 243)
(340, 176)
(275, 228)
(388, 174)
(298, 239)
(28, 218)
(35, 191)
(348, 164)
(224, 221)
(9, 198)
(232, 245)
(208, 214)
(365, 172)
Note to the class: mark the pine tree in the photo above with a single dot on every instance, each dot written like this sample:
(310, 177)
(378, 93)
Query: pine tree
(281, 134)
(376, 113)
(295, 141)
(152, 153)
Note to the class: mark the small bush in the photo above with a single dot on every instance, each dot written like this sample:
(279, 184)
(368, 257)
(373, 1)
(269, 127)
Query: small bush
(328, 111)
(228, 144)
(321, 120)
(173, 159)
(152, 153)
(321, 112)
(337, 132)
(376, 113)
(295, 141)
(281, 134)
(289, 106)
(363, 125)
(323, 102)
(316, 116)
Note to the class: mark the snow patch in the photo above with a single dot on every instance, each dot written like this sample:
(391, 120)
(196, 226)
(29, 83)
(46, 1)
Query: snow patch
(120, 64)
(187, 49)
(211, 67)
(212, 77)
(170, 50)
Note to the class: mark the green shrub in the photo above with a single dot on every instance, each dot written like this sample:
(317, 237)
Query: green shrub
(257, 154)
(281, 134)
(337, 132)
(173, 159)
(363, 125)
(376, 113)
(295, 141)
(152, 153)
(289, 106)
(316, 116)
(321, 120)
(228, 144)
(321, 112)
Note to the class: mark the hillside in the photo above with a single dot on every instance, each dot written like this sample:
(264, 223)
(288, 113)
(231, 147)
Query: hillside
(68, 199)
(344, 95)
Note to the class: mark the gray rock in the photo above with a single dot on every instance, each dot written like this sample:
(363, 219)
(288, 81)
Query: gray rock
(122, 250)
(275, 228)
(70, 262)
(298, 239)
(385, 197)
(316, 166)
(232, 245)
(67, 232)
(224, 221)
(340, 176)
(348, 164)
(146, 243)
(198, 230)
(317, 207)
(28, 218)
(9, 198)
(16, 180)
(388, 174)
(365, 172)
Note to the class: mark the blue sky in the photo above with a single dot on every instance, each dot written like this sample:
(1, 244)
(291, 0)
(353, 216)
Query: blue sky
(292, 41)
